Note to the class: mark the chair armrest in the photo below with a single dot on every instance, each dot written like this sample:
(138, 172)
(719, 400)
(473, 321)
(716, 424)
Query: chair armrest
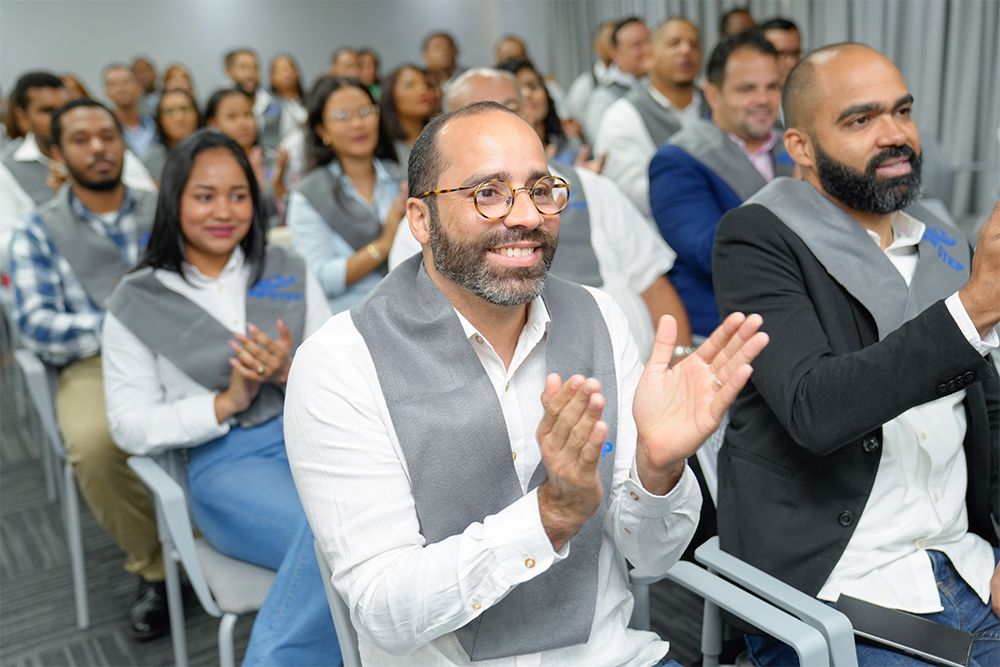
(36, 378)
(808, 643)
(834, 626)
(174, 524)
(346, 634)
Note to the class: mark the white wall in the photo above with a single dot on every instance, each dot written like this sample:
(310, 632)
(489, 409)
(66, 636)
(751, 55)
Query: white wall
(83, 36)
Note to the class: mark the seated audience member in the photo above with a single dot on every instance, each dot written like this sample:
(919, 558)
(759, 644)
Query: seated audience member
(653, 110)
(243, 70)
(405, 108)
(29, 176)
(492, 544)
(230, 110)
(734, 21)
(629, 62)
(510, 47)
(162, 393)
(177, 117)
(604, 241)
(863, 458)
(176, 77)
(124, 90)
(440, 55)
(786, 39)
(344, 63)
(74, 87)
(437, 94)
(286, 86)
(368, 73)
(64, 259)
(540, 111)
(713, 166)
(145, 73)
(581, 88)
(345, 211)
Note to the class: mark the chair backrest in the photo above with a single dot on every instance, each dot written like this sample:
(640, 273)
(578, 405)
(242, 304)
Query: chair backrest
(346, 634)
(42, 381)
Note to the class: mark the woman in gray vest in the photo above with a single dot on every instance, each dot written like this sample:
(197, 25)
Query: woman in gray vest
(345, 211)
(176, 117)
(199, 340)
(406, 108)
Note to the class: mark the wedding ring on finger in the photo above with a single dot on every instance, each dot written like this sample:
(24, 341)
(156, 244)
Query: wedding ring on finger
(262, 369)
(718, 383)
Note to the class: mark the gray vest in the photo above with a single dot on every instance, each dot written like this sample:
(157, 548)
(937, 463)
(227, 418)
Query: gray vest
(353, 221)
(705, 142)
(95, 259)
(30, 176)
(270, 125)
(454, 439)
(156, 160)
(661, 122)
(848, 254)
(575, 259)
(197, 343)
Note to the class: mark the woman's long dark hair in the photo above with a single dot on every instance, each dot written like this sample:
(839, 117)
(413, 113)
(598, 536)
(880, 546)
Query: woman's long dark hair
(391, 126)
(317, 153)
(160, 134)
(166, 241)
(552, 124)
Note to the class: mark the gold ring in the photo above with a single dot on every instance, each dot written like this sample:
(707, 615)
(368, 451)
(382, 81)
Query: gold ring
(261, 370)
(717, 382)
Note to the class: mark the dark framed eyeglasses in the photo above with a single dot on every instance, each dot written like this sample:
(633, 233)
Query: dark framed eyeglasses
(495, 198)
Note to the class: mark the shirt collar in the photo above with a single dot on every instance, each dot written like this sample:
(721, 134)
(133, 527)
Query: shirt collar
(127, 206)
(772, 139)
(615, 75)
(234, 264)
(537, 324)
(665, 102)
(906, 231)
(29, 151)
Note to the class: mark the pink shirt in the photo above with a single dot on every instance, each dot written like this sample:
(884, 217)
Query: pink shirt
(761, 157)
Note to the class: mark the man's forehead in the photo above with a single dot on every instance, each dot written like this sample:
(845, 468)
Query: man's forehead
(47, 95)
(489, 142)
(485, 88)
(87, 118)
(748, 61)
(854, 77)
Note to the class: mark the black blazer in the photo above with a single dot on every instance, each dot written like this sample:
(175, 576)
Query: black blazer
(804, 444)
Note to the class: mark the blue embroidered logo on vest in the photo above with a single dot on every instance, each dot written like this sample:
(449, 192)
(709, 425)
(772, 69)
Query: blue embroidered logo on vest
(575, 201)
(941, 240)
(271, 288)
(144, 240)
(608, 447)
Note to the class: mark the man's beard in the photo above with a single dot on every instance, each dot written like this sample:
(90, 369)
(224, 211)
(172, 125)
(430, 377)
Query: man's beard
(465, 264)
(81, 179)
(865, 191)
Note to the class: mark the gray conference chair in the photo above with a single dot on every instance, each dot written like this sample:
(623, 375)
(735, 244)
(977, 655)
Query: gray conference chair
(808, 642)
(226, 587)
(41, 381)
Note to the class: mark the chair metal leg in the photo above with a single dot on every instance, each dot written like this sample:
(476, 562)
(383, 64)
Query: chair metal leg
(227, 656)
(74, 538)
(50, 461)
(711, 635)
(175, 603)
(640, 612)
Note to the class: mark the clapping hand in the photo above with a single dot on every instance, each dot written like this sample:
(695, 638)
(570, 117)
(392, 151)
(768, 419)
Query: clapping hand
(676, 409)
(269, 360)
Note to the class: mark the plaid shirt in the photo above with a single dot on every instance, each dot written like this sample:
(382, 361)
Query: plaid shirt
(58, 320)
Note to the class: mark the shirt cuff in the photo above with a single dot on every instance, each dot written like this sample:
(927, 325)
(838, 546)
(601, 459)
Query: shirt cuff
(650, 504)
(519, 543)
(983, 345)
(200, 423)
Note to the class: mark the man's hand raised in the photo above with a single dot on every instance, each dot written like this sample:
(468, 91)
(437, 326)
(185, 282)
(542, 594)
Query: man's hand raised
(676, 409)
(571, 436)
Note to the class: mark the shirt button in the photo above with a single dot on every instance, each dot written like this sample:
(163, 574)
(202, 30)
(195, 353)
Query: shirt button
(236, 323)
(530, 563)
(479, 339)
(923, 436)
(507, 388)
(846, 518)
(870, 444)
(628, 531)
(634, 495)
(477, 606)
(515, 455)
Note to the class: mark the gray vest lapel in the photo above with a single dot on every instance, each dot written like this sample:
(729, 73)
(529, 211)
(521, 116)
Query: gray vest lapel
(197, 343)
(661, 123)
(95, 259)
(29, 175)
(346, 216)
(451, 427)
(575, 259)
(848, 254)
(705, 142)
(270, 125)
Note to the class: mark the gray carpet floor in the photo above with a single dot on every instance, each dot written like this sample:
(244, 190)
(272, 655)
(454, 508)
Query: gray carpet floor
(37, 614)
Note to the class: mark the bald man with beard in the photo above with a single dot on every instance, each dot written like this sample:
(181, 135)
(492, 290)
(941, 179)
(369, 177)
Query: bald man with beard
(863, 459)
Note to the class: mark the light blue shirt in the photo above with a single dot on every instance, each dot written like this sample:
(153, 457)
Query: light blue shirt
(141, 137)
(326, 252)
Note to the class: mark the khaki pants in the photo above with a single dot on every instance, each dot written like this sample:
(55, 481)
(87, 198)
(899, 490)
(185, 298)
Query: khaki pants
(117, 497)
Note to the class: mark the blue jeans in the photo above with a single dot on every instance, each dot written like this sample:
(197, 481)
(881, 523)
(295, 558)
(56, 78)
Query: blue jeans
(245, 502)
(962, 609)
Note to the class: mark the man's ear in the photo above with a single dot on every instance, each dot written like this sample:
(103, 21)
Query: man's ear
(800, 147)
(418, 214)
(21, 121)
(711, 92)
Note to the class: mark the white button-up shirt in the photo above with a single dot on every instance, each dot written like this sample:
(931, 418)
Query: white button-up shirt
(406, 597)
(917, 501)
